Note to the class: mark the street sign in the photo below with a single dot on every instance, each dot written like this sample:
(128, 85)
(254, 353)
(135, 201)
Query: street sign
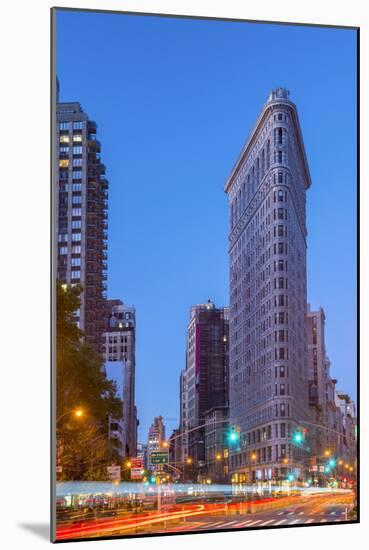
(136, 462)
(136, 468)
(113, 473)
(159, 457)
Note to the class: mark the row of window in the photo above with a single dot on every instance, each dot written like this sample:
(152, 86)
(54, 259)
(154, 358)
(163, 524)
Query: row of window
(77, 138)
(76, 125)
(63, 250)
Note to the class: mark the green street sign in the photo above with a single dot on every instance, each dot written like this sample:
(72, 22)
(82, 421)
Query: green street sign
(159, 457)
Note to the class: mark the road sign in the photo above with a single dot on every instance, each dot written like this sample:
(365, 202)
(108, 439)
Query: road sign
(159, 457)
(136, 468)
(136, 462)
(113, 473)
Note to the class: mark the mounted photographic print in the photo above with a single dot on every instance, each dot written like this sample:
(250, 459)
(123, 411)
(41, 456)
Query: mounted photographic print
(205, 364)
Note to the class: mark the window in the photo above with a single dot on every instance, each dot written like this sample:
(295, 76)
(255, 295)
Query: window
(76, 187)
(280, 195)
(280, 177)
(63, 250)
(76, 261)
(77, 199)
(64, 150)
(76, 275)
(63, 163)
(77, 138)
(63, 125)
(283, 427)
(77, 125)
(282, 409)
(76, 224)
(62, 237)
(76, 236)
(282, 387)
(280, 116)
(77, 150)
(64, 139)
(76, 211)
(77, 162)
(279, 157)
(77, 174)
(76, 250)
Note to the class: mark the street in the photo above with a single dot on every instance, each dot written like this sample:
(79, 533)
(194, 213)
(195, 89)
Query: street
(313, 509)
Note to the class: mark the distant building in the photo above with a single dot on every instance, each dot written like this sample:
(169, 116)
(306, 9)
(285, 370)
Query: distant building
(347, 410)
(267, 260)
(142, 453)
(120, 350)
(155, 440)
(204, 382)
(81, 216)
(175, 454)
(216, 444)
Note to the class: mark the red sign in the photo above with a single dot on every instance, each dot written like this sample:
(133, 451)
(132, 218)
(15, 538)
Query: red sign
(136, 468)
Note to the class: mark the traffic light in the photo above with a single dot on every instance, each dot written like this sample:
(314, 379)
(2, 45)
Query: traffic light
(153, 479)
(298, 437)
(290, 477)
(234, 435)
(332, 462)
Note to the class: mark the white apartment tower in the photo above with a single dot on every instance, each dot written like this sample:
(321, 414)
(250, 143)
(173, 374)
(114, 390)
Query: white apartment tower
(267, 255)
(120, 364)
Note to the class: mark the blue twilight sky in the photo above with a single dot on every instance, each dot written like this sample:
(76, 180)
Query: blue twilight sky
(175, 100)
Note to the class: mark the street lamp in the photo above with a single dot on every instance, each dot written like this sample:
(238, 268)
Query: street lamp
(218, 457)
(189, 460)
(327, 452)
(77, 412)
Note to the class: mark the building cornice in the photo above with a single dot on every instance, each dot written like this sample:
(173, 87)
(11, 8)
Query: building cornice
(246, 150)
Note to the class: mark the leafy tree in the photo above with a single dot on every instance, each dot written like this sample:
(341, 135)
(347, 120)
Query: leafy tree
(81, 382)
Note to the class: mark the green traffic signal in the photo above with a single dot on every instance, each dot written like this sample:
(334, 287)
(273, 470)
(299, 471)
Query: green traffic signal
(233, 435)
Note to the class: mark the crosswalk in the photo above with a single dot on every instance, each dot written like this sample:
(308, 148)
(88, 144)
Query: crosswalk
(288, 518)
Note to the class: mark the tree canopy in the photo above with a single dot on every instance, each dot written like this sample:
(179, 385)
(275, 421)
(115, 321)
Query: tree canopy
(81, 383)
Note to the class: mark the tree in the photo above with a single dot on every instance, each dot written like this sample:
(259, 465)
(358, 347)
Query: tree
(81, 382)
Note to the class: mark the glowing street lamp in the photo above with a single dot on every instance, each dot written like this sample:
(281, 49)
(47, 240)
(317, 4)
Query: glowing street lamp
(189, 460)
(75, 412)
(327, 452)
(218, 457)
